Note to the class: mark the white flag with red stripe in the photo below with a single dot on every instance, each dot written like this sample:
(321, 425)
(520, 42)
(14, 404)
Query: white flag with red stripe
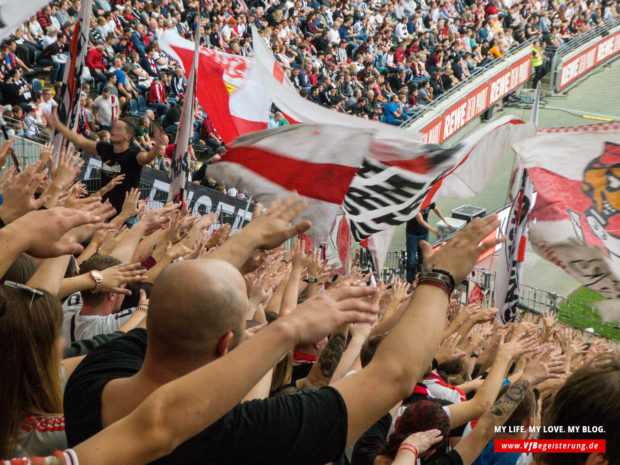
(317, 161)
(230, 90)
(576, 220)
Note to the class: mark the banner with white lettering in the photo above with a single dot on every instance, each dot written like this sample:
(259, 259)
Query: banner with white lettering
(155, 185)
(477, 101)
(607, 47)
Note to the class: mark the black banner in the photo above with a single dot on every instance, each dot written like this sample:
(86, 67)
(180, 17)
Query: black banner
(155, 184)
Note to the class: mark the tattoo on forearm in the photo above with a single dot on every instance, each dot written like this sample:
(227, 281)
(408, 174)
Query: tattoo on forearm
(505, 405)
(330, 357)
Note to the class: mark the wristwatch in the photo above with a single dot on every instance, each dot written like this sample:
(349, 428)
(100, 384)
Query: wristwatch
(311, 279)
(98, 278)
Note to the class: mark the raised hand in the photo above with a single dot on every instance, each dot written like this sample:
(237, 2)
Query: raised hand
(39, 232)
(18, 192)
(300, 257)
(5, 150)
(424, 440)
(448, 350)
(459, 254)
(67, 169)
(321, 315)
(115, 277)
(271, 228)
(115, 181)
(131, 205)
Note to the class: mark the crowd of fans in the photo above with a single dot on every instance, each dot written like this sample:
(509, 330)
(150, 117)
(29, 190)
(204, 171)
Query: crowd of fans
(376, 59)
(172, 341)
(153, 336)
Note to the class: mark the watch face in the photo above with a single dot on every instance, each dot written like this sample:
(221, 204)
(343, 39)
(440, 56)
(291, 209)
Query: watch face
(96, 274)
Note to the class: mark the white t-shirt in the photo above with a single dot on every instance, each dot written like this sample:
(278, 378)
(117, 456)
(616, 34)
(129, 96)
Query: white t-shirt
(76, 326)
(107, 109)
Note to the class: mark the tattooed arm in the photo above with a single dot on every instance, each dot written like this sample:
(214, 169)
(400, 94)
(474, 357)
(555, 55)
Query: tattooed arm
(324, 368)
(471, 446)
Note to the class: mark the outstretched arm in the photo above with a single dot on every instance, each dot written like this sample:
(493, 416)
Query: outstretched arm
(408, 350)
(182, 408)
(82, 142)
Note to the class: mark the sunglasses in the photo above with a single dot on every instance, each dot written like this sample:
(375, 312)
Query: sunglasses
(22, 287)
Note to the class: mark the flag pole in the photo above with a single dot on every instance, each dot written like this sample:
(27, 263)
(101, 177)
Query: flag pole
(179, 170)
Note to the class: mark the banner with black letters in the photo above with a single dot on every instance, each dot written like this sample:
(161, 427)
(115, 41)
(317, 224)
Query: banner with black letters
(155, 185)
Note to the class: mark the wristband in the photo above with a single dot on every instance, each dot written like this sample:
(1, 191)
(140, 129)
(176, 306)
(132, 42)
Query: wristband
(311, 280)
(439, 276)
(142, 308)
(443, 272)
(475, 355)
(410, 448)
(432, 282)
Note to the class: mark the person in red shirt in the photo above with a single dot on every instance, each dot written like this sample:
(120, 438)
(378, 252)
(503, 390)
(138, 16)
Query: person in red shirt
(94, 61)
(157, 97)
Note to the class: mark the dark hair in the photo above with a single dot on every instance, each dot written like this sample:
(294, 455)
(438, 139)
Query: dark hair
(453, 367)
(418, 417)
(21, 270)
(97, 262)
(131, 301)
(129, 127)
(589, 397)
(369, 348)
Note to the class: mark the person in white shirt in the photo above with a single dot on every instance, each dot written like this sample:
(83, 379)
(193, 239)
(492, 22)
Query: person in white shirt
(108, 108)
(35, 28)
(51, 37)
(401, 30)
(47, 104)
(94, 311)
(333, 35)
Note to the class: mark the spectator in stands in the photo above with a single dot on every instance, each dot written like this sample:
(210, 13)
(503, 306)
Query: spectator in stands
(107, 108)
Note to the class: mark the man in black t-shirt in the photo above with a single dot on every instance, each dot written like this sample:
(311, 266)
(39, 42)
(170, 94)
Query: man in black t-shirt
(417, 230)
(117, 156)
(196, 314)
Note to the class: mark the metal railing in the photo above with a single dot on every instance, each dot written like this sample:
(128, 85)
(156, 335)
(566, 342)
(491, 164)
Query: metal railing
(10, 126)
(576, 43)
(494, 65)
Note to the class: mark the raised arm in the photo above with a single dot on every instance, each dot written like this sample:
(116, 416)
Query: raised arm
(182, 408)
(82, 142)
(408, 350)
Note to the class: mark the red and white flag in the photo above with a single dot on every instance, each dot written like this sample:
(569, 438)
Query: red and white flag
(230, 90)
(338, 246)
(317, 161)
(512, 255)
(180, 165)
(576, 220)
(69, 98)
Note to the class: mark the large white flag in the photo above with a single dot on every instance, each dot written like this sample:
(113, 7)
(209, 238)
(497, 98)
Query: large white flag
(317, 161)
(13, 13)
(576, 220)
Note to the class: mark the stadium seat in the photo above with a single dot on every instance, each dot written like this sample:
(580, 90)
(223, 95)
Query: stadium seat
(142, 103)
(37, 86)
(134, 110)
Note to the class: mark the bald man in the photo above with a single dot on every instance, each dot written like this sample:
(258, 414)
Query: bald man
(196, 315)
